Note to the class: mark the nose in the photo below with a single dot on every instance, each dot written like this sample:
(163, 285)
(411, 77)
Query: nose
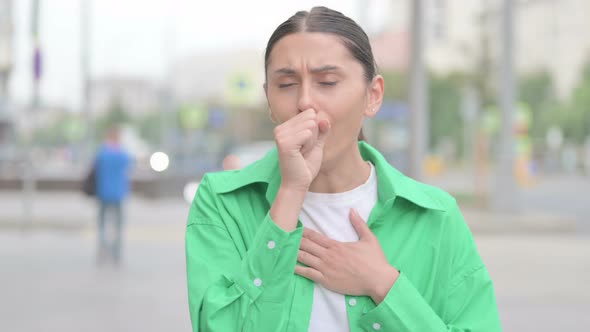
(304, 99)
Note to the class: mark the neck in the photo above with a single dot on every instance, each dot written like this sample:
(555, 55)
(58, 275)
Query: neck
(343, 173)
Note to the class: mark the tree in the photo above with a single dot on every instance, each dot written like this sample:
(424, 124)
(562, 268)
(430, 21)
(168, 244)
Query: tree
(116, 115)
(536, 90)
(444, 103)
(396, 86)
(445, 110)
(154, 126)
(576, 115)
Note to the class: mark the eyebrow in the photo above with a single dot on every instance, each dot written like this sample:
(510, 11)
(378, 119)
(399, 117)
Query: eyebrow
(322, 69)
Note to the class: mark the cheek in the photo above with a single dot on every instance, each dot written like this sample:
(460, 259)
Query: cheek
(282, 106)
(346, 109)
(346, 124)
(346, 116)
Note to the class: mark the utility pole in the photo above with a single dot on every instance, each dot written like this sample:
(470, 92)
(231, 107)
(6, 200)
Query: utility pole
(505, 198)
(418, 93)
(37, 55)
(85, 76)
(29, 174)
(6, 51)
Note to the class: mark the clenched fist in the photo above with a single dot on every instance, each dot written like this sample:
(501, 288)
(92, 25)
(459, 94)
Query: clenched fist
(300, 143)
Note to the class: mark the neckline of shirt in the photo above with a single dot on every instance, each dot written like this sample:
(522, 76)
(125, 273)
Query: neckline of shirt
(357, 193)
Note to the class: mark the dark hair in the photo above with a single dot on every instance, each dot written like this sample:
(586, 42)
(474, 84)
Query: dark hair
(322, 19)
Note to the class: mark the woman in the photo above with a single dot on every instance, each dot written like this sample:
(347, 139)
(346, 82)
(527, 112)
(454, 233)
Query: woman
(322, 234)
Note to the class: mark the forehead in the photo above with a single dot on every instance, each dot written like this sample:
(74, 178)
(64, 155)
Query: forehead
(309, 49)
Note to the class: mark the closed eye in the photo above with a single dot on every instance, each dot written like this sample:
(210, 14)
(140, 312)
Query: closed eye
(328, 83)
(282, 86)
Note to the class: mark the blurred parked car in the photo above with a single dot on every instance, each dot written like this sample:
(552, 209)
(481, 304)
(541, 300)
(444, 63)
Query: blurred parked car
(240, 156)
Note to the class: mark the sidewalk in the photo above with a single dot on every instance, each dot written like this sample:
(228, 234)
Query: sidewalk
(486, 222)
(50, 283)
(73, 211)
(165, 219)
(551, 203)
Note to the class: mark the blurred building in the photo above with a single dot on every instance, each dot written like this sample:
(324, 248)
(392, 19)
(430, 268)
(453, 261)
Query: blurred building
(550, 35)
(6, 45)
(6, 63)
(391, 50)
(554, 35)
(450, 30)
(27, 120)
(136, 96)
(224, 77)
(454, 32)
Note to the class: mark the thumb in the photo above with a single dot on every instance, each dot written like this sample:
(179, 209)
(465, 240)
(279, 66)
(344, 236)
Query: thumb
(324, 129)
(360, 225)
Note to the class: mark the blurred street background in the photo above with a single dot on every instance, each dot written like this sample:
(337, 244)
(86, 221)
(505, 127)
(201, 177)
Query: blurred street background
(487, 99)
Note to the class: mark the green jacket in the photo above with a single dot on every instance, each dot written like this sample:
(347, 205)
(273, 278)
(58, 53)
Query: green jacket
(240, 264)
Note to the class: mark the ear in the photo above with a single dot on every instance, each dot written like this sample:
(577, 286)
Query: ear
(375, 96)
(270, 113)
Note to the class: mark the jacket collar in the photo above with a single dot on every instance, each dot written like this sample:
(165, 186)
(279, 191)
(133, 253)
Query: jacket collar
(391, 182)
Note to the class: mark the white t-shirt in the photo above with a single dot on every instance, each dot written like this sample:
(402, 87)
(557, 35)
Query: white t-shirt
(328, 214)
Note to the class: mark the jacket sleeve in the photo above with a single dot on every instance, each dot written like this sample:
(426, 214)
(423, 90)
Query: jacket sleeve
(470, 301)
(227, 289)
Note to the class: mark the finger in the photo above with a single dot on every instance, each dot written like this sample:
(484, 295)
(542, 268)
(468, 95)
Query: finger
(307, 119)
(307, 113)
(311, 247)
(311, 143)
(360, 225)
(293, 141)
(300, 139)
(302, 116)
(299, 126)
(286, 126)
(309, 260)
(324, 127)
(289, 135)
(318, 238)
(309, 273)
(296, 124)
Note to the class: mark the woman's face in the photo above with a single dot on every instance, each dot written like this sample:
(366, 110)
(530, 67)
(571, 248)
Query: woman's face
(316, 70)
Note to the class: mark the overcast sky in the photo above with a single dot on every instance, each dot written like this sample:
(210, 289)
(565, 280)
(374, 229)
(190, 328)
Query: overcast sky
(140, 37)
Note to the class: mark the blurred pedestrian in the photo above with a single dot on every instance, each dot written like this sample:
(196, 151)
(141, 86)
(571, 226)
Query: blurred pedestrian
(323, 234)
(112, 188)
(231, 162)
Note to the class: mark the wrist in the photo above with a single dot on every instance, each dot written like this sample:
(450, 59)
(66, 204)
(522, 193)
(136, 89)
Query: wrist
(298, 190)
(286, 207)
(383, 285)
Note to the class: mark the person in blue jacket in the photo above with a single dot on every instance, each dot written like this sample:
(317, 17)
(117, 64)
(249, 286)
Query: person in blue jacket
(112, 188)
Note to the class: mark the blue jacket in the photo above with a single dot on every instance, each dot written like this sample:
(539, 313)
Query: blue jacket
(112, 174)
